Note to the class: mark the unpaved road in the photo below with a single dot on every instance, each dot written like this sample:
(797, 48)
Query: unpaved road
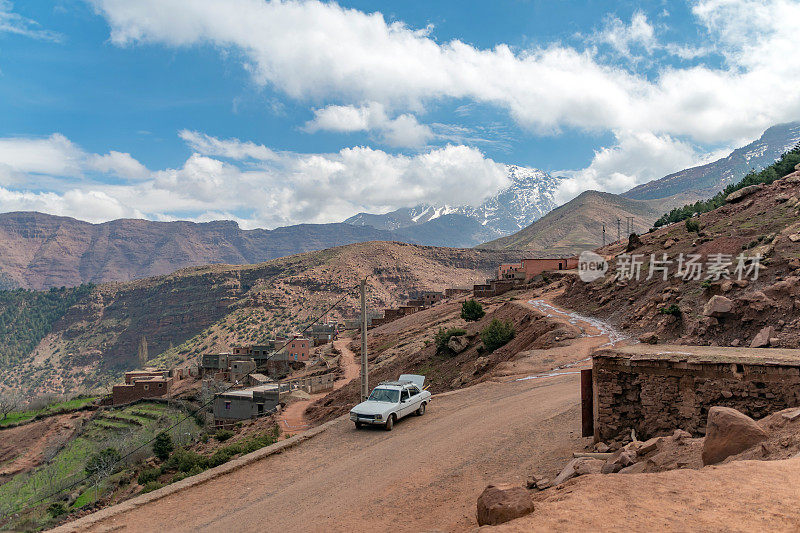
(425, 474)
(293, 419)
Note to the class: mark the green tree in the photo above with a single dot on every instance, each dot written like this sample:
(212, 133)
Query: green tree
(162, 446)
(497, 334)
(472, 310)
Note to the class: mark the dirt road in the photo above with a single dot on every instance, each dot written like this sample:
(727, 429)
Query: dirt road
(293, 419)
(425, 474)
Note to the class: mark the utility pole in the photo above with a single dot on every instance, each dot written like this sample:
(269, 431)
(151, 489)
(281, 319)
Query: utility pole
(619, 234)
(604, 234)
(364, 376)
(630, 225)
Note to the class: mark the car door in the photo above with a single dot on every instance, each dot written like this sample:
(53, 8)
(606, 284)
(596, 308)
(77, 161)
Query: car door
(416, 398)
(405, 402)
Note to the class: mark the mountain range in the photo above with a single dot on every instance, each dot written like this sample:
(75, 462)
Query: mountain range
(529, 196)
(38, 251)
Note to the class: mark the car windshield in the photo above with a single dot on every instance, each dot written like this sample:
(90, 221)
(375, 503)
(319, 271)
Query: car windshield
(385, 395)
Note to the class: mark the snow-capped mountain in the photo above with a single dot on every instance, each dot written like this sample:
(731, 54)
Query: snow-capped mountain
(530, 195)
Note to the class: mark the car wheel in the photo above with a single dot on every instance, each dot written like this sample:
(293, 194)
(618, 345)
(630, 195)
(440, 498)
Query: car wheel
(389, 423)
(358, 425)
(421, 410)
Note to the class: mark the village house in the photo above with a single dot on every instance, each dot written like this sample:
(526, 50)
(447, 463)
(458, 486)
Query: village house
(141, 384)
(535, 266)
(244, 404)
(323, 333)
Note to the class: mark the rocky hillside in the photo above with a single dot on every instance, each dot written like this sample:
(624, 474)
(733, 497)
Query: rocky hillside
(706, 180)
(758, 220)
(577, 225)
(38, 251)
(530, 195)
(196, 310)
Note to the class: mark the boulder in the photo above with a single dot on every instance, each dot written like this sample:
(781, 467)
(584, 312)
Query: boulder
(503, 502)
(579, 467)
(649, 338)
(729, 432)
(741, 193)
(618, 461)
(458, 343)
(762, 337)
(718, 306)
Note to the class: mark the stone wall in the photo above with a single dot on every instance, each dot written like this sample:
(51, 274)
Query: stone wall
(656, 389)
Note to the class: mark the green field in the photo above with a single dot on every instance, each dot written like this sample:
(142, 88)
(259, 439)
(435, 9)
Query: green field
(20, 416)
(125, 429)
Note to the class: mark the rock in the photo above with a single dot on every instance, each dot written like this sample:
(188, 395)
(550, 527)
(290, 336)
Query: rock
(601, 447)
(579, 467)
(633, 242)
(680, 434)
(669, 243)
(538, 483)
(458, 344)
(503, 502)
(726, 285)
(718, 306)
(729, 432)
(794, 237)
(741, 193)
(636, 468)
(648, 446)
(762, 337)
(774, 341)
(649, 338)
(618, 461)
(792, 415)
(797, 166)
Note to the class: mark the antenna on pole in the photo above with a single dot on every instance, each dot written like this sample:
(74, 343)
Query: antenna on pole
(364, 374)
(619, 234)
(604, 234)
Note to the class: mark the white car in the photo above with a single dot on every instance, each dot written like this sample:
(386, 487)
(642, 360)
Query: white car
(392, 400)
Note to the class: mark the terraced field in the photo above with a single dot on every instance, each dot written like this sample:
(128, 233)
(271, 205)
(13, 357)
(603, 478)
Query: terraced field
(126, 429)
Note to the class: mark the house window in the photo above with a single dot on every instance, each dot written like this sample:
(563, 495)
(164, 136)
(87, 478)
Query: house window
(160, 385)
(228, 406)
(147, 387)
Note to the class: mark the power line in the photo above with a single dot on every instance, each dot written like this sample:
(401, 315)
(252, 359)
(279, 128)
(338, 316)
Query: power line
(199, 409)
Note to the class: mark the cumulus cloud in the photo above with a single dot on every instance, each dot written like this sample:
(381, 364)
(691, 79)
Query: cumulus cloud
(322, 51)
(58, 156)
(625, 37)
(11, 22)
(403, 130)
(242, 181)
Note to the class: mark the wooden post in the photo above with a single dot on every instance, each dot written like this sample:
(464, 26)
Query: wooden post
(364, 374)
(587, 404)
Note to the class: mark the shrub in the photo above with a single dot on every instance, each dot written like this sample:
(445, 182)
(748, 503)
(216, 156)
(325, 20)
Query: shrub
(150, 487)
(671, 310)
(497, 334)
(472, 310)
(223, 435)
(163, 446)
(56, 509)
(442, 337)
(184, 460)
(102, 463)
(692, 225)
(148, 475)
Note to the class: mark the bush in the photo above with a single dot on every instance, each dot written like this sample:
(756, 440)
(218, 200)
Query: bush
(163, 446)
(692, 225)
(184, 460)
(102, 463)
(148, 474)
(150, 487)
(56, 509)
(472, 310)
(497, 334)
(442, 337)
(671, 310)
(223, 435)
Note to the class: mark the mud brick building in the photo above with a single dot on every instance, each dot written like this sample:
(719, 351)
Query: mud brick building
(140, 384)
(655, 389)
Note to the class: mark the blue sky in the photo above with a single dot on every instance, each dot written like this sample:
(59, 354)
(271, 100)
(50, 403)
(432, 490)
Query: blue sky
(273, 113)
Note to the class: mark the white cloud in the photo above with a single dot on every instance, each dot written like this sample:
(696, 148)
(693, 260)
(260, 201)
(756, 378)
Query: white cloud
(58, 156)
(403, 130)
(321, 51)
(269, 189)
(11, 22)
(231, 148)
(635, 158)
(623, 38)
